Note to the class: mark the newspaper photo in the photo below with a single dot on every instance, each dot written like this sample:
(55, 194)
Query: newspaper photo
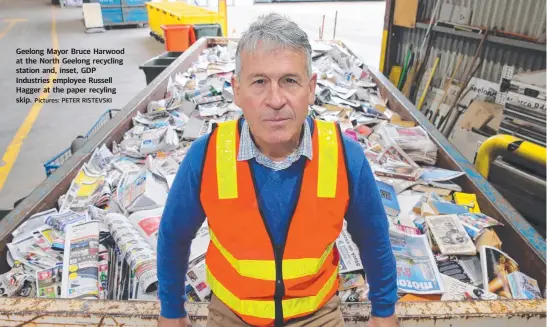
(147, 222)
(496, 266)
(13, 281)
(454, 290)
(349, 253)
(81, 261)
(197, 278)
(450, 235)
(138, 253)
(48, 282)
(417, 271)
(476, 223)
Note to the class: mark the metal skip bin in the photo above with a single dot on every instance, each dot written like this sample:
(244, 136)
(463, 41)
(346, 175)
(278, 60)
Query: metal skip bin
(522, 241)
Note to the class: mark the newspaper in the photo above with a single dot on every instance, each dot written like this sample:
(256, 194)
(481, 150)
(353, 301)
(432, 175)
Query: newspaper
(436, 174)
(81, 261)
(103, 275)
(496, 266)
(84, 190)
(353, 295)
(349, 253)
(414, 141)
(33, 222)
(48, 282)
(140, 255)
(147, 222)
(197, 278)
(417, 271)
(449, 234)
(13, 281)
(459, 291)
(476, 223)
(351, 280)
(466, 269)
(62, 220)
(30, 255)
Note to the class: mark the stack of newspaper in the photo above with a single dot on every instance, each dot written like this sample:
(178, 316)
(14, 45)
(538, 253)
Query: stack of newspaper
(100, 240)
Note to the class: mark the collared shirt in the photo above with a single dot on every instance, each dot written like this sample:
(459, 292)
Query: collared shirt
(249, 150)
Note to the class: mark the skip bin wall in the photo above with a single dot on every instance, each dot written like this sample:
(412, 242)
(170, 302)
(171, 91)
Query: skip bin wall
(526, 245)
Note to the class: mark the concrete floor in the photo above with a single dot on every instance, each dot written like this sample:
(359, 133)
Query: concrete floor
(359, 25)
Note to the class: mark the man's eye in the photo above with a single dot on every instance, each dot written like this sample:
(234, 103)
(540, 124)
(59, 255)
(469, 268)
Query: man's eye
(291, 80)
(259, 81)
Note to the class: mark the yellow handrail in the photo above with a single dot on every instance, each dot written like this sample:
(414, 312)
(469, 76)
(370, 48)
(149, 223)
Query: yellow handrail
(500, 144)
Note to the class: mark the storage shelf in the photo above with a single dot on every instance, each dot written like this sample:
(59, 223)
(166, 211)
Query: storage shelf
(491, 38)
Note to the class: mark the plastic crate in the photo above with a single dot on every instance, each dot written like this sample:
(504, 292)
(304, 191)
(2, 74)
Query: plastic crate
(134, 2)
(153, 67)
(135, 15)
(54, 163)
(109, 3)
(112, 15)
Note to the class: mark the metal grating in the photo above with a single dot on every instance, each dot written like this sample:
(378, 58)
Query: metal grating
(450, 46)
(525, 17)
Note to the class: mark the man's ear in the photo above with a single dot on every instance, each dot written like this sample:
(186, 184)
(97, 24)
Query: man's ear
(235, 89)
(312, 85)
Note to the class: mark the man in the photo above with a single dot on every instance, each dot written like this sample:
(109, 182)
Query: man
(275, 188)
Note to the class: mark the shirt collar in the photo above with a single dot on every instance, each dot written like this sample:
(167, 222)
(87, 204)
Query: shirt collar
(248, 149)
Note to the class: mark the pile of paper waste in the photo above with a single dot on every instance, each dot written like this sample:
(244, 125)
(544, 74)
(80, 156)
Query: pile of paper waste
(100, 241)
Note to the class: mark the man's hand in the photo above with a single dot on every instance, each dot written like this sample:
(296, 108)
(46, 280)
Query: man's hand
(179, 322)
(383, 322)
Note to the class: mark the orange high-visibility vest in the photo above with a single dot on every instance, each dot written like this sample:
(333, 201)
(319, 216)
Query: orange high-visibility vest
(262, 283)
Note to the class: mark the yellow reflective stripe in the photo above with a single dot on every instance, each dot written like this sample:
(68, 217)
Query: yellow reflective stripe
(307, 304)
(226, 160)
(265, 269)
(328, 159)
(296, 268)
(266, 308)
(258, 269)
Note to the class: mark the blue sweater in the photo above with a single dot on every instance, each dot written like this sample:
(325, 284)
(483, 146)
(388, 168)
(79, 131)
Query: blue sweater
(366, 222)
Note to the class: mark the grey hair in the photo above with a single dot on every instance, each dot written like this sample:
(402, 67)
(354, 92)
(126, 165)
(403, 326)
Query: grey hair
(274, 31)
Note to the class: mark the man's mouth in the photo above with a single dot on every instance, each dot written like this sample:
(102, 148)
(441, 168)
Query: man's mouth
(276, 120)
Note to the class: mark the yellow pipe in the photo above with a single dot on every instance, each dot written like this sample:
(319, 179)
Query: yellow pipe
(504, 144)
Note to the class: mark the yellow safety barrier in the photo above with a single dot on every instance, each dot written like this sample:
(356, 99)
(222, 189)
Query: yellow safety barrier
(505, 144)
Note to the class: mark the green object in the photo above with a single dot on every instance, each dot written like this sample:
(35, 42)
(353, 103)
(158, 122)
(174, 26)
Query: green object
(405, 66)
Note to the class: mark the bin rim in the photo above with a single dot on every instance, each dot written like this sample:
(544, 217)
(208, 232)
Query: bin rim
(175, 26)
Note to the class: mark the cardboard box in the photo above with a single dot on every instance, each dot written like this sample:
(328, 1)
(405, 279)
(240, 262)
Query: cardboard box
(480, 114)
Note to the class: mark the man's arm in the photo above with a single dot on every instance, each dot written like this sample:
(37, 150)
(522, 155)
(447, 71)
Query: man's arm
(369, 229)
(182, 217)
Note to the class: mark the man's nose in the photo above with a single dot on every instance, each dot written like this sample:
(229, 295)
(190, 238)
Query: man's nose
(276, 97)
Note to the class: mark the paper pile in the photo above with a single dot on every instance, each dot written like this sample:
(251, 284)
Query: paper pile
(108, 220)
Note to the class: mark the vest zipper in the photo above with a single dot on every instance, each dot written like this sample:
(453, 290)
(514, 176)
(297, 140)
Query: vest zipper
(278, 249)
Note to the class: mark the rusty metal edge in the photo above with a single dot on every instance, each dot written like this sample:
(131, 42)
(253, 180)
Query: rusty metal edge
(428, 310)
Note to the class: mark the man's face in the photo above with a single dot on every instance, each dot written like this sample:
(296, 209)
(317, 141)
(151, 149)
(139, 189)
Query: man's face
(274, 92)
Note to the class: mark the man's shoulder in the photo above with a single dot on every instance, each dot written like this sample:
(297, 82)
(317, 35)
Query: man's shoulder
(196, 153)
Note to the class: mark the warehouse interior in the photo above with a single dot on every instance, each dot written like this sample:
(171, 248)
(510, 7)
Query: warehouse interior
(443, 102)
